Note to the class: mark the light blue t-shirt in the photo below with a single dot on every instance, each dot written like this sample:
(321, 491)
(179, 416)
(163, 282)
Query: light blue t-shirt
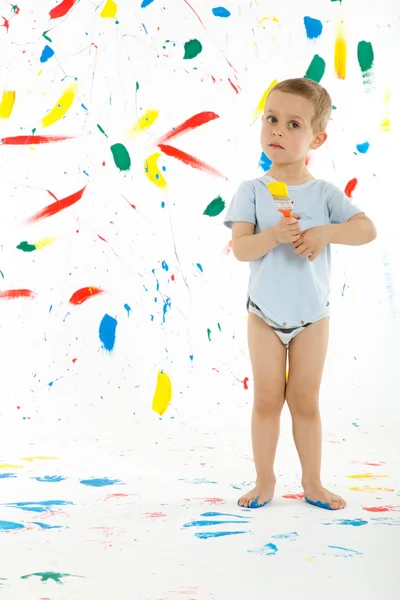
(288, 288)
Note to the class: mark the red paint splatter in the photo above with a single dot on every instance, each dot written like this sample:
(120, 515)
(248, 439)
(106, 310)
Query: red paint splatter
(349, 189)
(57, 207)
(21, 140)
(370, 464)
(6, 23)
(382, 508)
(234, 86)
(188, 159)
(116, 496)
(61, 9)
(13, 294)
(84, 294)
(294, 496)
(189, 125)
(154, 515)
(208, 500)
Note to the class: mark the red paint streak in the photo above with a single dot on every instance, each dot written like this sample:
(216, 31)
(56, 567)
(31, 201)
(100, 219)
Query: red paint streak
(382, 508)
(57, 207)
(368, 463)
(116, 496)
(234, 86)
(208, 500)
(294, 496)
(173, 277)
(214, 369)
(61, 9)
(132, 205)
(192, 123)
(21, 140)
(245, 383)
(189, 160)
(6, 23)
(13, 294)
(349, 189)
(154, 515)
(84, 294)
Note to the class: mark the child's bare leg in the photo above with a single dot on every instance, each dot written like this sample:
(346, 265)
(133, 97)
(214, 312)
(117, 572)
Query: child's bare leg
(307, 352)
(268, 361)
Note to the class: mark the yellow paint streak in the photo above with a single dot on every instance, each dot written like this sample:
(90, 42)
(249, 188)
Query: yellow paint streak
(366, 476)
(144, 122)
(340, 53)
(366, 488)
(7, 104)
(33, 458)
(269, 19)
(261, 105)
(44, 242)
(311, 559)
(163, 393)
(10, 466)
(110, 10)
(153, 172)
(385, 123)
(61, 108)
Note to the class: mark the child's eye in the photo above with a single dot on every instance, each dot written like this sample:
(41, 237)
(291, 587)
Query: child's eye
(294, 125)
(271, 119)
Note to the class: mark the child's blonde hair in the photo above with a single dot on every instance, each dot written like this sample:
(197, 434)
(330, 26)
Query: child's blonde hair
(312, 91)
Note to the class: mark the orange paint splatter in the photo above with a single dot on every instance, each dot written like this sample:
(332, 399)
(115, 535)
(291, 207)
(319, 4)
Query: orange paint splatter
(84, 294)
(350, 187)
(13, 294)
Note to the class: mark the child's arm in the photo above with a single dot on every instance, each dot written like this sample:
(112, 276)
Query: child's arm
(248, 246)
(358, 230)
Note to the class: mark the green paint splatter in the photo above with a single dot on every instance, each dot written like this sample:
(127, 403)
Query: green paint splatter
(15, 8)
(2, 274)
(365, 55)
(121, 157)
(26, 247)
(46, 575)
(46, 37)
(34, 131)
(102, 130)
(219, 326)
(192, 49)
(137, 86)
(209, 334)
(316, 69)
(215, 207)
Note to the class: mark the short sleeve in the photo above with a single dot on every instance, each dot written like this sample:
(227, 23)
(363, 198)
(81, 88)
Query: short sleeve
(339, 207)
(242, 206)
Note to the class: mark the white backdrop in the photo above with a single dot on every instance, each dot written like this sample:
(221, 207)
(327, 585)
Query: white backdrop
(78, 403)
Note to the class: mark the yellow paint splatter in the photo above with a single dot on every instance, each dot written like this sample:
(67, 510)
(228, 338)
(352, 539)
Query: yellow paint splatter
(33, 458)
(110, 10)
(44, 242)
(61, 108)
(7, 104)
(269, 19)
(144, 122)
(385, 123)
(153, 172)
(340, 53)
(366, 476)
(311, 559)
(163, 393)
(261, 105)
(366, 488)
(10, 466)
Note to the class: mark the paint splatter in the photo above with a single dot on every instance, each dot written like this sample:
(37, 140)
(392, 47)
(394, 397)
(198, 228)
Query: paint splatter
(218, 514)
(366, 476)
(10, 526)
(14, 294)
(99, 482)
(84, 294)
(190, 124)
(46, 54)
(7, 104)
(10, 466)
(209, 523)
(387, 508)
(352, 522)
(313, 27)
(27, 247)
(215, 534)
(385, 123)
(192, 49)
(62, 106)
(163, 394)
(144, 122)
(220, 11)
(39, 507)
(294, 496)
(350, 187)
(146, 3)
(22, 140)
(110, 10)
(46, 526)
(50, 479)
(187, 159)
(32, 459)
(62, 9)
(107, 330)
(367, 488)
(8, 475)
(348, 553)
(48, 575)
(265, 163)
(267, 550)
(152, 171)
(316, 69)
(363, 148)
(286, 536)
(340, 53)
(365, 56)
(259, 110)
(56, 207)
(121, 157)
(215, 207)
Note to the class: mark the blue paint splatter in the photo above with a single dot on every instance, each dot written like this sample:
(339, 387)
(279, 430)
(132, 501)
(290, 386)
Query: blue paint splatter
(363, 148)
(200, 268)
(209, 523)
(10, 526)
(146, 3)
(46, 54)
(353, 522)
(349, 552)
(50, 478)
(220, 11)
(386, 521)
(265, 163)
(313, 27)
(46, 525)
(267, 550)
(213, 534)
(127, 308)
(164, 266)
(7, 475)
(196, 481)
(286, 536)
(218, 514)
(38, 506)
(107, 329)
(167, 305)
(101, 482)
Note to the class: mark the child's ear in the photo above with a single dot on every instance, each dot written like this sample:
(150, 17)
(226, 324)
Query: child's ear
(319, 139)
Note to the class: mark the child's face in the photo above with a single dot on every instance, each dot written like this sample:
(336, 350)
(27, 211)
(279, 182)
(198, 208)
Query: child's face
(287, 134)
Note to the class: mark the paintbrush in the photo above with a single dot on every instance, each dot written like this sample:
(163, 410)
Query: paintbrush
(280, 194)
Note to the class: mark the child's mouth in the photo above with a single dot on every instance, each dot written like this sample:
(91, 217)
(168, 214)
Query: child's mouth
(276, 146)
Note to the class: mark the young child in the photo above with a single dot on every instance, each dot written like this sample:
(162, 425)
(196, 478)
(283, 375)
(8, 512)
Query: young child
(288, 293)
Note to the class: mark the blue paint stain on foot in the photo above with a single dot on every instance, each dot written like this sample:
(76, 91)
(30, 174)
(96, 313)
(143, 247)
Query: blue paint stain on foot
(220, 11)
(321, 504)
(363, 148)
(107, 330)
(255, 504)
(95, 482)
(313, 27)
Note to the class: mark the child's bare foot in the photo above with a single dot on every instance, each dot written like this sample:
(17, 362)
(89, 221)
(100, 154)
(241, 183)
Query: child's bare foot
(260, 495)
(314, 493)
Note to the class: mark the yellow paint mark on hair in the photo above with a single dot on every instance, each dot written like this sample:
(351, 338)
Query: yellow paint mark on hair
(261, 105)
(163, 393)
(61, 108)
(152, 171)
(7, 104)
(110, 10)
(366, 476)
(340, 53)
(44, 242)
(144, 122)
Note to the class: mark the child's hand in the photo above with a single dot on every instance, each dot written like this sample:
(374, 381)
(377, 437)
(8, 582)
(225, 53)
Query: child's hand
(311, 242)
(287, 230)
